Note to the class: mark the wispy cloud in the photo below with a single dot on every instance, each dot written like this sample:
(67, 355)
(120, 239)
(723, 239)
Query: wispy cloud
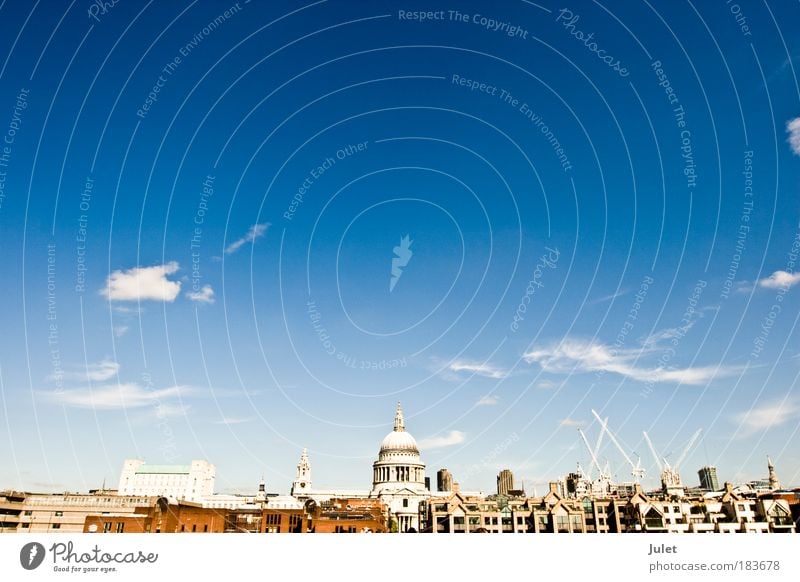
(571, 423)
(766, 416)
(488, 400)
(793, 129)
(128, 310)
(605, 298)
(143, 284)
(204, 295)
(547, 385)
(256, 231)
(667, 334)
(478, 368)
(96, 372)
(779, 280)
(231, 420)
(116, 396)
(120, 330)
(169, 410)
(454, 437)
(588, 356)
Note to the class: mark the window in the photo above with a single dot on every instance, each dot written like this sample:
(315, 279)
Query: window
(194, 528)
(120, 526)
(563, 524)
(28, 512)
(405, 502)
(106, 526)
(59, 513)
(653, 519)
(780, 516)
(205, 528)
(458, 520)
(56, 526)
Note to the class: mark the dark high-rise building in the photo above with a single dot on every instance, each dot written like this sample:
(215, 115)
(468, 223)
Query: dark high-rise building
(505, 482)
(708, 478)
(444, 480)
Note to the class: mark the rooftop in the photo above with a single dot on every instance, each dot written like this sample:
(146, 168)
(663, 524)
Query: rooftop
(164, 469)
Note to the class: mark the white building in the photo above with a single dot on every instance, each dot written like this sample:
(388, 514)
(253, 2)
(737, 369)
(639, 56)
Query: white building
(302, 481)
(398, 476)
(193, 482)
(398, 479)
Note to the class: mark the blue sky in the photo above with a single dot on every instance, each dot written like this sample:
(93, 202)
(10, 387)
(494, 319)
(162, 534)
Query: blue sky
(203, 209)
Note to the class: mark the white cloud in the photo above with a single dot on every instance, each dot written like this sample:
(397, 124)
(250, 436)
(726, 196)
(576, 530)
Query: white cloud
(767, 416)
(668, 334)
(126, 310)
(488, 400)
(605, 298)
(167, 410)
(142, 284)
(120, 330)
(102, 371)
(116, 396)
(547, 385)
(454, 437)
(477, 368)
(205, 295)
(581, 356)
(255, 231)
(232, 420)
(779, 280)
(571, 423)
(793, 129)
(97, 372)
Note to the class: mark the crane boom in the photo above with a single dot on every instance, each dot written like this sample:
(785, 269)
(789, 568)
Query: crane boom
(603, 426)
(591, 452)
(636, 469)
(615, 441)
(653, 450)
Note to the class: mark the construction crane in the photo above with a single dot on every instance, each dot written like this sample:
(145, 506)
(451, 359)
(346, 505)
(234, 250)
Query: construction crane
(637, 471)
(591, 454)
(655, 454)
(670, 475)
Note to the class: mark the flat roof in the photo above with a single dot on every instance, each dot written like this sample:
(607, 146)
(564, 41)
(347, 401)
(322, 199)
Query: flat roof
(164, 469)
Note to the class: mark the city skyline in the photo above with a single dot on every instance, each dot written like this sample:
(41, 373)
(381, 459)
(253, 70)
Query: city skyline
(505, 477)
(234, 231)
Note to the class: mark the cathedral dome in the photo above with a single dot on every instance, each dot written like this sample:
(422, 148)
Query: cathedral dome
(399, 441)
(399, 468)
